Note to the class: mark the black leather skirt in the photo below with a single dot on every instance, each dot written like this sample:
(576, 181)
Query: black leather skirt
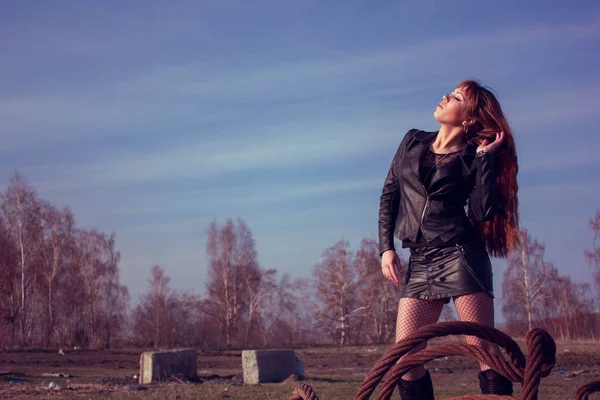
(444, 272)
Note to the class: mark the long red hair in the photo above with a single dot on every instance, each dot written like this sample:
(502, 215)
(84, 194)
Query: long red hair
(500, 235)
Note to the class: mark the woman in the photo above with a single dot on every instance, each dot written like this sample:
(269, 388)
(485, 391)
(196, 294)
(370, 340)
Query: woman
(470, 161)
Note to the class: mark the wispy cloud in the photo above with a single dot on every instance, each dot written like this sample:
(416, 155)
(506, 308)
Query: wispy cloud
(175, 209)
(294, 193)
(561, 103)
(559, 194)
(294, 147)
(321, 139)
(555, 159)
(334, 73)
(205, 92)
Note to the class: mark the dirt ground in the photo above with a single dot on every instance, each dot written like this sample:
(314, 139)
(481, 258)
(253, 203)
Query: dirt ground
(335, 373)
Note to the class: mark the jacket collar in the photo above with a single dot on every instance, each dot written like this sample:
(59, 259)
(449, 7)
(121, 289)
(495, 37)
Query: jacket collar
(423, 136)
(428, 137)
(424, 139)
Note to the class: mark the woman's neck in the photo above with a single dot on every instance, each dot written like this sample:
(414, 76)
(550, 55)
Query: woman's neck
(449, 139)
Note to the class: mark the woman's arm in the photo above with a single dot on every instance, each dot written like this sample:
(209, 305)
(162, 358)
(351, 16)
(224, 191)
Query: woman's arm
(390, 200)
(483, 201)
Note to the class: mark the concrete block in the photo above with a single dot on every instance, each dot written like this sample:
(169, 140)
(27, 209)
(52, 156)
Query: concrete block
(157, 366)
(264, 366)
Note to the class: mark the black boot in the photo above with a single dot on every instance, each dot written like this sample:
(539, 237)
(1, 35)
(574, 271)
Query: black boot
(492, 382)
(420, 389)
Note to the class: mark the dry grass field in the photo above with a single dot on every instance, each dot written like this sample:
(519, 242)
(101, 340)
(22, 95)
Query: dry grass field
(335, 373)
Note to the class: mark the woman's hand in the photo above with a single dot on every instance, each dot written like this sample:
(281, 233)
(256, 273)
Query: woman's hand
(487, 147)
(390, 266)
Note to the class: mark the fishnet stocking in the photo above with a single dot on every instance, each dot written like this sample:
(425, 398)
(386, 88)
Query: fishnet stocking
(412, 315)
(479, 308)
(416, 313)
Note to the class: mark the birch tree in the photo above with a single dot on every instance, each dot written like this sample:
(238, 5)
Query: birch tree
(259, 286)
(287, 312)
(593, 255)
(378, 296)
(9, 300)
(57, 281)
(151, 314)
(21, 211)
(525, 285)
(56, 237)
(233, 278)
(98, 261)
(569, 307)
(336, 292)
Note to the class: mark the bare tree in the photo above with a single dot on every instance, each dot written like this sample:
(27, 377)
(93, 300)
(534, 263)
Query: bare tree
(98, 261)
(593, 255)
(58, 282)
(151, 314)
(302, 320)
(8, 284)
(71, 319)
(524, 284)
(259, 287)
(276, 303)
(21, 211)
(185, 320)
(336, 292)
(114, 313)
(257, 284)
(378, 296)
(233, 278)
(159, 296)
(57, 234)
(567, 308)
(290, 314)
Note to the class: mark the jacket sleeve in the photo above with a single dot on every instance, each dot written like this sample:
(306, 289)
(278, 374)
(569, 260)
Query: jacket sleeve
(483, 201)
(390, 200)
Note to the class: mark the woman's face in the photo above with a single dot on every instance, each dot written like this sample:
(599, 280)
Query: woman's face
(453, 109)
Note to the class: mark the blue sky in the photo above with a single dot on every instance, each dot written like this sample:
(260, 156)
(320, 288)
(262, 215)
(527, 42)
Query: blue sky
(153, 118)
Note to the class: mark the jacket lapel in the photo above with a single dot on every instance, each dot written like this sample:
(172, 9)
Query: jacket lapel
(415, 152)
(458, 166)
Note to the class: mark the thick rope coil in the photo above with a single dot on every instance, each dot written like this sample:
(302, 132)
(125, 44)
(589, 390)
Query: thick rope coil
(304, 392)
(585, 390)
(541, 358)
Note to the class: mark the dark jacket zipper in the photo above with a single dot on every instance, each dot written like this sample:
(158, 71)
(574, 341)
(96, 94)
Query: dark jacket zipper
(425, 206)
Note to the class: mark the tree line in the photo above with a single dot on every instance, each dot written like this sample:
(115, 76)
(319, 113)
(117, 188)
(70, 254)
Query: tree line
(60, 283)
(61, 288)
(534, 294)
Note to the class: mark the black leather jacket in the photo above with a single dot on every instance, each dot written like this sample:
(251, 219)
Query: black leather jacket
(407, 207)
